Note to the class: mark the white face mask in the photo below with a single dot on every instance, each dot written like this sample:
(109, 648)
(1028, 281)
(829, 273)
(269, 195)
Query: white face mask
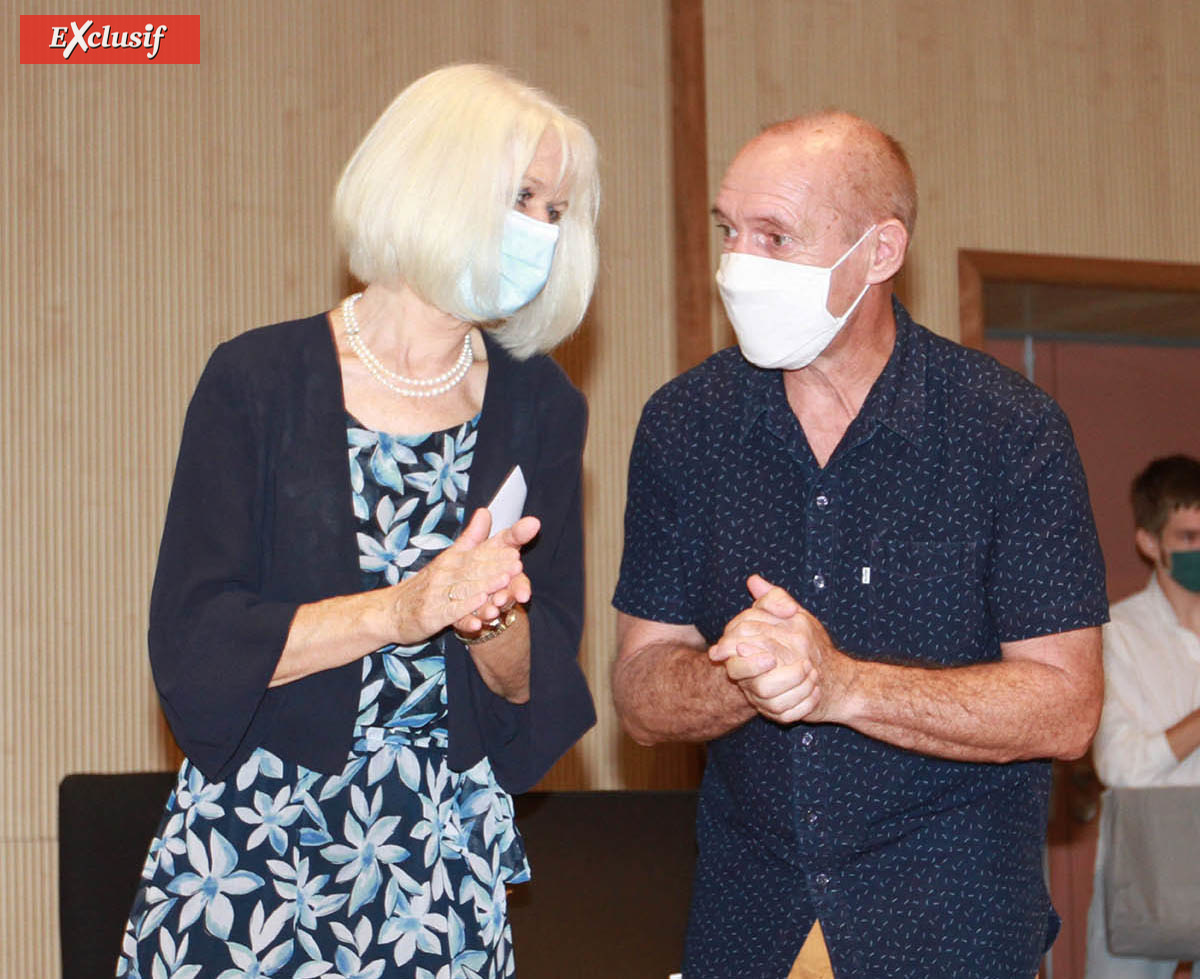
(780, 310)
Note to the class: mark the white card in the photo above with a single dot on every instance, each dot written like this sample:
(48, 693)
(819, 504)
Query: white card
(509, 502)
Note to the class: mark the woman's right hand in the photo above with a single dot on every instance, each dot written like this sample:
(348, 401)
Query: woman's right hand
(460, 580)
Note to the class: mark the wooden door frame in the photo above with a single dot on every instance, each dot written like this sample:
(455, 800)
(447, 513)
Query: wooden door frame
(975, 267)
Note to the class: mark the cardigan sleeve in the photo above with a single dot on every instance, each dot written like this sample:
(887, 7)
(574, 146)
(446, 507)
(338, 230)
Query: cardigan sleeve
(523, 741)
(214, 638)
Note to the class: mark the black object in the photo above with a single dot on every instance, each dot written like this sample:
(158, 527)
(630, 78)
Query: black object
(612, 876)
(105, 825)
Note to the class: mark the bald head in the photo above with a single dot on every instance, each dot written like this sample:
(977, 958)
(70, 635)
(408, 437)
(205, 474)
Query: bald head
(871, 179)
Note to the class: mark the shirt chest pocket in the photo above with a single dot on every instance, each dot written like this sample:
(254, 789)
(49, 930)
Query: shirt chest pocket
(925, 597)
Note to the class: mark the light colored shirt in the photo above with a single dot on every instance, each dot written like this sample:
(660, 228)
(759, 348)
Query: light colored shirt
(1151, 682)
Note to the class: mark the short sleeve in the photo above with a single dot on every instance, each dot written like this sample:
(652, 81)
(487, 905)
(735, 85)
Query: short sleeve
(652, 583)
(1047, 572)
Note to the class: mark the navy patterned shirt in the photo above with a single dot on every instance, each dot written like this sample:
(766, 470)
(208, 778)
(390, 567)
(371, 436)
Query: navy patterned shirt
(952, 517)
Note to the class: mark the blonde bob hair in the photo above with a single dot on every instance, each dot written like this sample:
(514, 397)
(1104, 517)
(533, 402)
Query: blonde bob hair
(425, 195)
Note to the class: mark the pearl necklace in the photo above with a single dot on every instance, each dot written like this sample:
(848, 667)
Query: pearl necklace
(408, 387)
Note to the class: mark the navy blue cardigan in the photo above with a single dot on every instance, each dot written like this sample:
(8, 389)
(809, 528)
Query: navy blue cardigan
(260, 521)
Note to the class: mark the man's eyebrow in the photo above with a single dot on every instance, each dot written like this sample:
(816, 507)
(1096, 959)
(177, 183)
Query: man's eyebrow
(794, 226)
(767, 218)
(774, 221)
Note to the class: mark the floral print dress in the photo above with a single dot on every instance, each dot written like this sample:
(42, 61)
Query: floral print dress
(395, 866)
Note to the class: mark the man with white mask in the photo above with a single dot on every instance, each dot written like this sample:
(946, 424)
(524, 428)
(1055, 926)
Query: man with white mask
(860, 562)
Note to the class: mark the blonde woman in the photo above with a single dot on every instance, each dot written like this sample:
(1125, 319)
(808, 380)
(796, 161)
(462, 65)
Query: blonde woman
(357, 668)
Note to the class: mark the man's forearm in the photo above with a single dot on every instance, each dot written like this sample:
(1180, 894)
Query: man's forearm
(991, 712)
(1040, 700)
(672, 692)
(1184, 737)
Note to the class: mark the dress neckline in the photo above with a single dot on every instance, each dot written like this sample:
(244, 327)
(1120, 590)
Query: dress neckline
(413, 437)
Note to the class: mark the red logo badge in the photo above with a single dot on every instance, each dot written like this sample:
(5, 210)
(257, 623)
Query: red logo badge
(94, 39)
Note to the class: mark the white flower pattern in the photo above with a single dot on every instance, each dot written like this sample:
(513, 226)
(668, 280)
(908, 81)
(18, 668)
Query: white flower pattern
(395, 866)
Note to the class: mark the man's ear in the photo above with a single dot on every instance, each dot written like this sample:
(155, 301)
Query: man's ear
(1147, 545)
(891, 245)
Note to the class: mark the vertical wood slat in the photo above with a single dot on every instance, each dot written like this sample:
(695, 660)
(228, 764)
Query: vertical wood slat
(689, 190)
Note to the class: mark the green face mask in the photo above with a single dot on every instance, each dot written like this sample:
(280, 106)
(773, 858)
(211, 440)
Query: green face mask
(1185, 568)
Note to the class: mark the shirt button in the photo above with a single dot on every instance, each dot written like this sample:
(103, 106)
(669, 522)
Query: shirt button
(818, 581)
(822, 881)
(807, 739)
(812, 817)
(822, 501)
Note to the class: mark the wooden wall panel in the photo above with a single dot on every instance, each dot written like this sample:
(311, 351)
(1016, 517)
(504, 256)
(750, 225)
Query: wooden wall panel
(150, 212)
(29, 912)
(1065, 127)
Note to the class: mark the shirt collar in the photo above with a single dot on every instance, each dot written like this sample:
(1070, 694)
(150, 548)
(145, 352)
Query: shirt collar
(896, 399)
(762, 389)
(1163, 608)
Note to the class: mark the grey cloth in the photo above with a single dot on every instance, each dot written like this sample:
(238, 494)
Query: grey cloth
(1152, 872)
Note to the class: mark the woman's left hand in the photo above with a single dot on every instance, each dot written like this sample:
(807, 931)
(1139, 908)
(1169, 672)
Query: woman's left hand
(517, 592)
(502, 658)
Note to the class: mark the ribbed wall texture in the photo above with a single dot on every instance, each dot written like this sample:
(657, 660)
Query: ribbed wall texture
(149, 212)
(1044, 126)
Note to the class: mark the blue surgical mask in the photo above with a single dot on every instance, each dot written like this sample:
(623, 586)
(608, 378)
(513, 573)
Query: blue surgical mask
(526, 253)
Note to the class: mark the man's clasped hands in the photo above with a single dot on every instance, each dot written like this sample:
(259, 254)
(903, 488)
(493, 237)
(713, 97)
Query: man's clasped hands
(783, 659)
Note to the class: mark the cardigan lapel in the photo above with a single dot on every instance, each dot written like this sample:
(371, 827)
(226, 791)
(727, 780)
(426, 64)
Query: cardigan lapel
(323, 418)
(505, 434)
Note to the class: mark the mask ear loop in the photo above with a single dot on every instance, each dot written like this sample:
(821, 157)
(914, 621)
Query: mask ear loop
(850, 251)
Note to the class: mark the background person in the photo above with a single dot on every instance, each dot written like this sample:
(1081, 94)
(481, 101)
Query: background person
(1149, 730)
(357, 673)
(861, 562)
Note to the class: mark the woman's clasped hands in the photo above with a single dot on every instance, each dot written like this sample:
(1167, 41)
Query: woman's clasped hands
(468, 585)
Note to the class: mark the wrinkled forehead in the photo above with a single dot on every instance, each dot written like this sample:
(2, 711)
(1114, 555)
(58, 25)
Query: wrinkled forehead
(781, 175)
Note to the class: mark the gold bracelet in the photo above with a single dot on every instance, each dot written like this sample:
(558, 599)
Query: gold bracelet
(491, 629)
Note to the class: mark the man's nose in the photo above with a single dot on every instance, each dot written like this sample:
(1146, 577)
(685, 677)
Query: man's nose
(740, 244)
